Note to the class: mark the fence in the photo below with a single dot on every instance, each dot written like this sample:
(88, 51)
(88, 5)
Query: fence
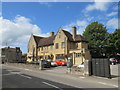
(101, 67)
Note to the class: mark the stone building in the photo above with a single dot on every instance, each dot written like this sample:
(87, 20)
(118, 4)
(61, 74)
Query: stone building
(59, 46)
(9, 54)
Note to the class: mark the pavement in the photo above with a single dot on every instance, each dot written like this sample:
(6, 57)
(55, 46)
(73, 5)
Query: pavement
(19, 77)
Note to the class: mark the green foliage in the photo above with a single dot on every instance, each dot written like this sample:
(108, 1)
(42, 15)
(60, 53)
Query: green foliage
(96, 34)
(101, 42)
(113, 43)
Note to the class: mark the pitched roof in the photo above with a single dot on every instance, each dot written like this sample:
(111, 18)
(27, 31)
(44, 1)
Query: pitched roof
(37, 38)
(46, 41)
(78, 38)
(69, 35)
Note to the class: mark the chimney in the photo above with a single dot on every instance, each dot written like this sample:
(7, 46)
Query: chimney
(74, 32)
(51, 33)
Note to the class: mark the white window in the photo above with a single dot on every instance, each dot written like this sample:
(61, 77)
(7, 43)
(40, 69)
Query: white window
(78, 54)
(63, 44)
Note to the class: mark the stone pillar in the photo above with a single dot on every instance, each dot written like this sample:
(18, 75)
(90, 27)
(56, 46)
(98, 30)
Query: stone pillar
(73, 58)
(41, 66)
(87, 67)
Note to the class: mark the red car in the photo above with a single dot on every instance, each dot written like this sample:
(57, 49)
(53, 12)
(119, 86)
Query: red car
(61, 62)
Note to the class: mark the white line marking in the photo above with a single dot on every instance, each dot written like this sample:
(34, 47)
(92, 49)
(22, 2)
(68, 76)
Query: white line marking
(27, 69)
(25, 76)
(52, 85)
(107, 84)
(9, 70)
(81, 77)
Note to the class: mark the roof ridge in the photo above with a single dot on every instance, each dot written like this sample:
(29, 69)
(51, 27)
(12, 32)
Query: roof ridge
(48, 37)
(67, 31)
(37, 36)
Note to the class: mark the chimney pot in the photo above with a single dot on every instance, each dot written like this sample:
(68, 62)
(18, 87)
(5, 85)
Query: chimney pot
(51, 33)
(74, 32)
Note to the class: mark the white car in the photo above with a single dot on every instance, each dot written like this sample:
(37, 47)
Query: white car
(81, 65)
(54, 64)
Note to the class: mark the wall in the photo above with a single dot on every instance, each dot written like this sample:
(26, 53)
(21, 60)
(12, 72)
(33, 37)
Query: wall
(81, 46)
(60, 37)
(31, 45)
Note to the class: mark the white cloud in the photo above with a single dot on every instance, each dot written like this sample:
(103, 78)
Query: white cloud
(81, 25)
(46, 4)
(13, 31)
(102, 6)
(17, 32)
(112, 14)
(115, 8)
(113, 23)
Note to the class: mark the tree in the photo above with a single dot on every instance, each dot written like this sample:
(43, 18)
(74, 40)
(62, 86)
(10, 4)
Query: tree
(113, 43)
(96, 34)
(117, 40)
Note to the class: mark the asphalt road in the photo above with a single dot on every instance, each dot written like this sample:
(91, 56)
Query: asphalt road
(16, 79)
(13, 77)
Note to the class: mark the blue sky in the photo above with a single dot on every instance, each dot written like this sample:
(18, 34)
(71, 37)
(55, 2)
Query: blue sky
(24, 18)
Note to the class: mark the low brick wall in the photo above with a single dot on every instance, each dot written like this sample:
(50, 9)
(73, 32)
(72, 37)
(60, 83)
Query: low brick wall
(22, 65)
(76, 71)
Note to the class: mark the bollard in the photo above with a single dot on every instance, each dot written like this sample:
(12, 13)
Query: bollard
(41, 66)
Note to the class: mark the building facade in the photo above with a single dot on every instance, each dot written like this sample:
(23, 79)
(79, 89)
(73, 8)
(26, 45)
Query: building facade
(9, 54)
(59, 46)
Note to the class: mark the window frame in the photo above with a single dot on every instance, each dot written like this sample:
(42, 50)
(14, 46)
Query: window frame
(57, 46)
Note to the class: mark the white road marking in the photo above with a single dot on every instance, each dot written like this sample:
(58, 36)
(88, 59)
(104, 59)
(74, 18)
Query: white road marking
(26, 69)
(107, 84)
(25, 76)
(81, 77)
(9, 70)
(52, 85)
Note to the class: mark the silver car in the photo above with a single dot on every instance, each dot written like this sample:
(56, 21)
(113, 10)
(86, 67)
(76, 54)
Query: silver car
(53, 64)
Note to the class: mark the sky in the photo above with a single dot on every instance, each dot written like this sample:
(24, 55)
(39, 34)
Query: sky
(21, 19)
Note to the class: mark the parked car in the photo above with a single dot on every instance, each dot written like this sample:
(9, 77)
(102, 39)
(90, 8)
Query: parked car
(53, 64)
(113, 61)
(81, 65)
(118, 61)
(46, 63)
(61, 62)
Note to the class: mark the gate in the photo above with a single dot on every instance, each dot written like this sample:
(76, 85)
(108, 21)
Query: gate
(101, 67)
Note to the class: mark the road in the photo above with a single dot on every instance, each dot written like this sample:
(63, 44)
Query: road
(14, 77)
